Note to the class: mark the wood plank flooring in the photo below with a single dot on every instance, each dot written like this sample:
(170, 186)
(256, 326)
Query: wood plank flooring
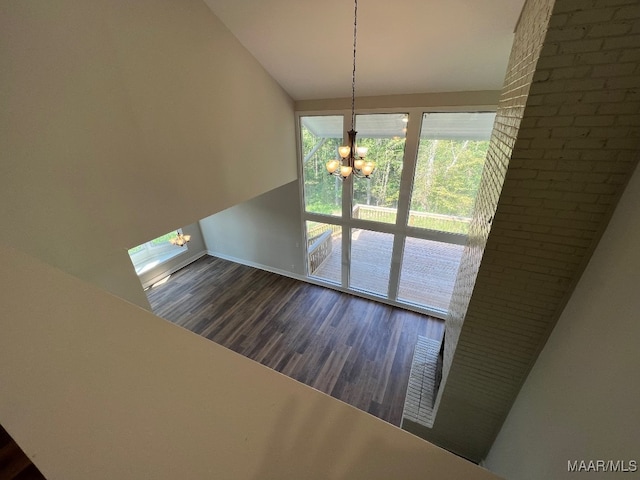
(14, 463)
(355, 350)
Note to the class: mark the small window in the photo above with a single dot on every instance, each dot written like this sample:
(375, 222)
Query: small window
(155, 252)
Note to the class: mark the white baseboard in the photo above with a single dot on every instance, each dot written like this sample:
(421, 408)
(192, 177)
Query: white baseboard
(285, 273)
(174, 268)
(260, 266)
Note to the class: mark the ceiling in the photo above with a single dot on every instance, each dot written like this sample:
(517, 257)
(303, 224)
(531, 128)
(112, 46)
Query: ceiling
(404, 46)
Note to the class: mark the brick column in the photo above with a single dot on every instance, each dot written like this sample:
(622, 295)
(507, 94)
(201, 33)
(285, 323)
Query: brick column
(565, 143)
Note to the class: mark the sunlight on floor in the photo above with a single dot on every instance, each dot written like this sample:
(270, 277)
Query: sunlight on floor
(161, 282)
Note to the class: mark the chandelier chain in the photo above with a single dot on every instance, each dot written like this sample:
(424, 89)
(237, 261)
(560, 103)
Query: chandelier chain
(353, 78)
(351, 159)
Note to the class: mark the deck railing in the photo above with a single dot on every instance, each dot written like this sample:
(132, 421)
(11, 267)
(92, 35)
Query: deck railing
(319, 237)
(430, 221)
(320, 250)
(314, 232)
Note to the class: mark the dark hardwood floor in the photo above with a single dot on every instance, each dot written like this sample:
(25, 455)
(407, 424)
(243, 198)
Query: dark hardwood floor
(14, 464)
(353, 349)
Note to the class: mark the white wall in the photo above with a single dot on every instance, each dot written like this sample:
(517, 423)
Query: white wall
(96, 388)
(265, 231)
(581, 400)
(123, 120)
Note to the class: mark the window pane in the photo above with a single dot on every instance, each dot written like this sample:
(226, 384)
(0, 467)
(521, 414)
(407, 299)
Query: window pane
(451, 155)
(370, 260)
(155, 252)
(165, 239)
(376, 198)
(320, 138)
(428, 272)
(324, 251)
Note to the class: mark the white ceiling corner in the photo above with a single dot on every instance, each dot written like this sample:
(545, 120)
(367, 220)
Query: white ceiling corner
(404, 46)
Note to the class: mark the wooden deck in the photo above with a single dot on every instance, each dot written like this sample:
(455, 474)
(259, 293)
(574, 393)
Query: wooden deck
(428, 272)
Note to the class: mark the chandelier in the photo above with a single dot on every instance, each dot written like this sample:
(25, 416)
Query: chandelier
(180, 239)
(352, 158)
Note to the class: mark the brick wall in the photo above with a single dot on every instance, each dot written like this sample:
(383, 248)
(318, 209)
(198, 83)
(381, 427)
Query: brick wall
(565, 142)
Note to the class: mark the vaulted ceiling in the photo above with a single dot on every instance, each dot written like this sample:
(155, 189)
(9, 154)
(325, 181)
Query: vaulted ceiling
(405, 46)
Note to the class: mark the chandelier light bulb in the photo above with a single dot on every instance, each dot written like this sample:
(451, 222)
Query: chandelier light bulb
(345, 171)
(344, 151)
(368, 168)
(332, 165)
(180, 240)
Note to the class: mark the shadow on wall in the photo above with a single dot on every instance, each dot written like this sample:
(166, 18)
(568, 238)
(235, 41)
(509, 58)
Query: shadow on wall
(301, 439)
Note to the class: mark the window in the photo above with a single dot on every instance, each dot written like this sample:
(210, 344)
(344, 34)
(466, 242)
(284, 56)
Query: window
(370, 261)
(384, 135)
(400, 235)
(428, 282)
(324, 251)
(320, 139)
(453, 147)
(154, 252)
